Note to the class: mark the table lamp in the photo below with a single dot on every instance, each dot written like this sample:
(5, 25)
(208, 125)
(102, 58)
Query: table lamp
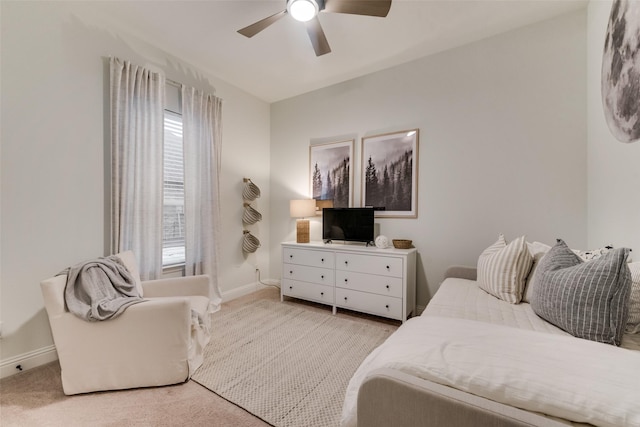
(302, 209)
(323, 203)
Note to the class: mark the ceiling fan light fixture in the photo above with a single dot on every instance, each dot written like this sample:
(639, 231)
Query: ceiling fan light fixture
(302, 10)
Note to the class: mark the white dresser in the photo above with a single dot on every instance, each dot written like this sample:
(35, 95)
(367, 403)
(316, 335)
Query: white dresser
(355, 277)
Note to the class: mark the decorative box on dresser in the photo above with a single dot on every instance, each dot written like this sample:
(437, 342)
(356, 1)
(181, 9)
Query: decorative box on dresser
(356, 277)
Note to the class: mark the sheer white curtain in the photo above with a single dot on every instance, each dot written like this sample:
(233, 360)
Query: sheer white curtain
(137, 104)
(202, 121)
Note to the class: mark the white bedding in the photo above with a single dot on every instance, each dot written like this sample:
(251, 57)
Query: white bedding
(463, 299)
(555, 374)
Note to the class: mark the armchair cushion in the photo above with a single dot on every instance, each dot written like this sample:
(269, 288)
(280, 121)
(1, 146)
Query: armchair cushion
(128, 258)
(189, 285)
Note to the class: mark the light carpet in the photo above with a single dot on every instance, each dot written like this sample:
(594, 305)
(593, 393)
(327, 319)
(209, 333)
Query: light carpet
(285, 363)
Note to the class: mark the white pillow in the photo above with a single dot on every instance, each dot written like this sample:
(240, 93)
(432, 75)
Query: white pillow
(593, 253)
(128, 258)
(633, 321)
(502, 269)
(537, 251)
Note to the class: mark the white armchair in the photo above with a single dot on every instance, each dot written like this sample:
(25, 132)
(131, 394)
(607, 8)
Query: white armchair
(153, 343)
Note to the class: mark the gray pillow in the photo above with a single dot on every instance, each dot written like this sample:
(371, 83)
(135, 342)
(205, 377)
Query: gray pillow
(587, 299)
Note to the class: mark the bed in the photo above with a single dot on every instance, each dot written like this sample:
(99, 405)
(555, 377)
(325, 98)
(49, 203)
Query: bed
(472, 359)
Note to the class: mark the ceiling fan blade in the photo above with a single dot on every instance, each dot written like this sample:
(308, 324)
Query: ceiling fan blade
(359, 7)
(318, 39)
(256, 27)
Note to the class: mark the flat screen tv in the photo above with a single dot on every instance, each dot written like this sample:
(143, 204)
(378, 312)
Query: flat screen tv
(348, 224)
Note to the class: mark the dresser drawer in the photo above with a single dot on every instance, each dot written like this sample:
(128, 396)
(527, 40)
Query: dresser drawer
(382, 285)
(308, 257)
(369, 303)
(380, 265)
(321, 276)
(308, 291)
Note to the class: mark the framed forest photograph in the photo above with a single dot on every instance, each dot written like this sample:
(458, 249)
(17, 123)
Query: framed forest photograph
(390, 173)
(331, 178)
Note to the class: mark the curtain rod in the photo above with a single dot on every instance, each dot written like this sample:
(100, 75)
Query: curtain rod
(173, 82)
(179, 85)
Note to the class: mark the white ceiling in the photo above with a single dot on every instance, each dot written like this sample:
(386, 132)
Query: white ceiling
(280, 63)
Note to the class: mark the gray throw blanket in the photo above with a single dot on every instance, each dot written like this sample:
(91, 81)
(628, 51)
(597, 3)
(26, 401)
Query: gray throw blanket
(100, 289)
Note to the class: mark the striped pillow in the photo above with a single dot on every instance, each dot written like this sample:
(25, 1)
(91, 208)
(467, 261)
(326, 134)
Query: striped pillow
(633, 322)
(587, 299)
(503, 268)
(538, 250)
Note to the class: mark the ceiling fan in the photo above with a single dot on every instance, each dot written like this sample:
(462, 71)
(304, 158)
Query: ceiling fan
(307, 11)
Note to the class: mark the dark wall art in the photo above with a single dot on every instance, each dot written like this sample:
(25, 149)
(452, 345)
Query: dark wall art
(621, 71)
(390, 173)
(331, 172)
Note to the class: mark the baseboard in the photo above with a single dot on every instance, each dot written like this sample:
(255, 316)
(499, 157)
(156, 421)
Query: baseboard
(247, 289)
(48, 354)
(28, 361)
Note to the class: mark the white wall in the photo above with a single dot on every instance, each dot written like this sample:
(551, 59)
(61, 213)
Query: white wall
(614, 167)
(502, 143)
(55, 157)
(502, 149)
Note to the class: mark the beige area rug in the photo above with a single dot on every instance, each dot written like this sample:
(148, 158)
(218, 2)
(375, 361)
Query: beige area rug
(284, 363)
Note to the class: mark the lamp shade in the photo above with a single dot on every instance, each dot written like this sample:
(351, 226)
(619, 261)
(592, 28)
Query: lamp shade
(321, 204)
(302, 208)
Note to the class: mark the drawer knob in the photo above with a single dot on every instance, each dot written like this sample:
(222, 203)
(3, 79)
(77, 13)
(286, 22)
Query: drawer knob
(346, 280)
(290, 287)
(388, 267)
(387, 306)
(321, 293)
(387, 286)
(322, 277)
(290, 256)
(346, 263)
(322, 260)
(345, 298)
(290, 271)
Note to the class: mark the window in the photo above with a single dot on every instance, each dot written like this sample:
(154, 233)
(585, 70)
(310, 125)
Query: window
(156, 220)
(173, 231)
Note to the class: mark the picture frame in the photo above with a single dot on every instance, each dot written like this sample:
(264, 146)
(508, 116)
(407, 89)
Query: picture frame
(620, 98)
(390, 173)
(331, 173)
